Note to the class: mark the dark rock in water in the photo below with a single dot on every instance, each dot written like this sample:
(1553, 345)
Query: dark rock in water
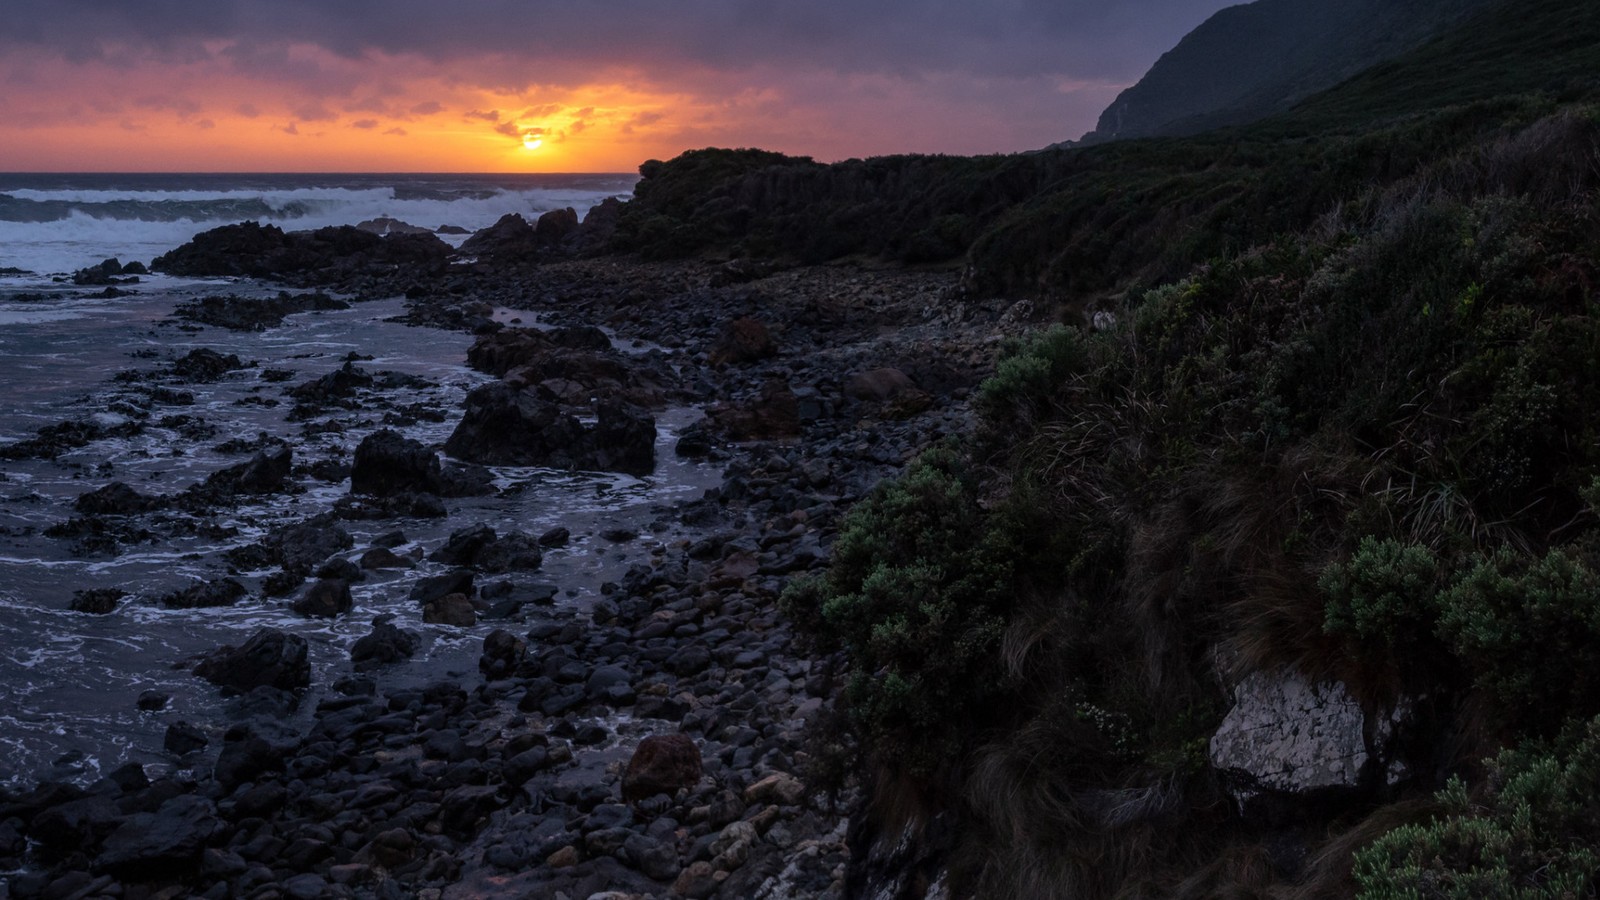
(502, 653)
(270, 657)
(253, 313)
(451, 229)
(98, 601)
(451, 609)
(183, 739)
(340, 384)
(384, 558)
(263, 474)
(153, 701)
(505, 426)
(327, 598)
(695, 441)
(342, 569)
(390, 225)
(744, 340)
(203, 365)
(427, 590)
(662, 764)
(106, 273)
(555, 537)
(388, 463)
(463, 545)
(299, 548)
(221, 592)
(162, 843)
(514, 552)
(257, 251)
(51, 441)
(404, 505)
(384, 644)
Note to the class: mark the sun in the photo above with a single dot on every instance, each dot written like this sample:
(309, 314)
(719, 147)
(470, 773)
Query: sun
(532, 143)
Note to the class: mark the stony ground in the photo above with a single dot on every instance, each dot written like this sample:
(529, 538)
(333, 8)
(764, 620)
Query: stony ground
(548, 774)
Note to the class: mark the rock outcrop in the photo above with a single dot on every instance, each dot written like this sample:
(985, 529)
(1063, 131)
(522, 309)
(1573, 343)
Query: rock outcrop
(504, 426)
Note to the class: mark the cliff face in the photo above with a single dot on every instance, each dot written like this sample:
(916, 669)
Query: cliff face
(1250, 61)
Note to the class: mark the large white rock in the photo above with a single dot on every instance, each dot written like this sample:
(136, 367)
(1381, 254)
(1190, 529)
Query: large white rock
(1287, 734)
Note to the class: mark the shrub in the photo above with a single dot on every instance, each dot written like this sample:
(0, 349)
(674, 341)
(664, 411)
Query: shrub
(1383, 593)
(1029, 374)
(917, 594)
(1533, 835)
(1529, 632)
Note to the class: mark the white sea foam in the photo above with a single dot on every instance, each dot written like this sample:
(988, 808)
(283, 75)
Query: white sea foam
(61, 229)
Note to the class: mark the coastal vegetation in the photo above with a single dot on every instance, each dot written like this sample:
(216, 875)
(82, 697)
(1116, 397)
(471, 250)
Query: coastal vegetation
(1335, 417)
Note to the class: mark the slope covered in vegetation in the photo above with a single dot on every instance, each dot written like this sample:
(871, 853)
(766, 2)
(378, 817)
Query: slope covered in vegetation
(1340, 423)
(1255, 59)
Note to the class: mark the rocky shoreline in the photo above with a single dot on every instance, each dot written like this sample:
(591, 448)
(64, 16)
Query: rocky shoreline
(651, 743)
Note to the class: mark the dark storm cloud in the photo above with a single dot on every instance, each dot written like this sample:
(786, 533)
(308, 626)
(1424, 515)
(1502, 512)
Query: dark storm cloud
(1086, 39)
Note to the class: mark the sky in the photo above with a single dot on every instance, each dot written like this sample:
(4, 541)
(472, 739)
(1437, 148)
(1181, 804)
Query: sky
(554, 85)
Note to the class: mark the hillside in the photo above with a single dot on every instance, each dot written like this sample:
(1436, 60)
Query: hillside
(1250, 61)
(1282, 579)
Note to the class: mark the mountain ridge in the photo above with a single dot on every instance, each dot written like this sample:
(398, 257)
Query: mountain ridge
(1250, 61)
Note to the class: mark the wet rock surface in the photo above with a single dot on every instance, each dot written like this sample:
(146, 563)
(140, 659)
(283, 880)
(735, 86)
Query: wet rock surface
(648, 740)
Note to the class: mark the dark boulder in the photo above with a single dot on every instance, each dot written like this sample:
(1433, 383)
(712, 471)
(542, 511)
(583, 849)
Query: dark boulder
(502, 653)
(270, 657)
(75, 825)
(427, 590)
(775, 414)
(98, 601)
(115, 499)
(384, 644)
(253, 313)
(221, 592)
(451, 609)
(265, 473)
(391, 465)
(662, 764)
(514, 552)
(743, 340)
(463, 545)
(326, 598)
(162, 843)
(510, 427)
(257, 251)
(203, 365)
(183, 739)
(388, 463)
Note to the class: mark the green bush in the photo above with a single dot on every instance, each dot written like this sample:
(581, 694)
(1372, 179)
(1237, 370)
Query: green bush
(917, 594)
(1030, 373)
(1383, 593)
(1529, 632)
(1534, 834)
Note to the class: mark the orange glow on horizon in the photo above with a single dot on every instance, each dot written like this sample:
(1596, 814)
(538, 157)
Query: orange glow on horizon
(310, 110)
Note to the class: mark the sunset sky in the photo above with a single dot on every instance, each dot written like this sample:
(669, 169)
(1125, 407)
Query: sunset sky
(541, 86)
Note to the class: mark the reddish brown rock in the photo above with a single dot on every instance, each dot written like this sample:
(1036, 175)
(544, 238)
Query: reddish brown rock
(662, 764)
(879, 384)
(451, 609)
(743, 340)
(775, 415)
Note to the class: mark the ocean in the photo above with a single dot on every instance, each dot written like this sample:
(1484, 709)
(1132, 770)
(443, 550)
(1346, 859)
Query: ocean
(69, 681)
